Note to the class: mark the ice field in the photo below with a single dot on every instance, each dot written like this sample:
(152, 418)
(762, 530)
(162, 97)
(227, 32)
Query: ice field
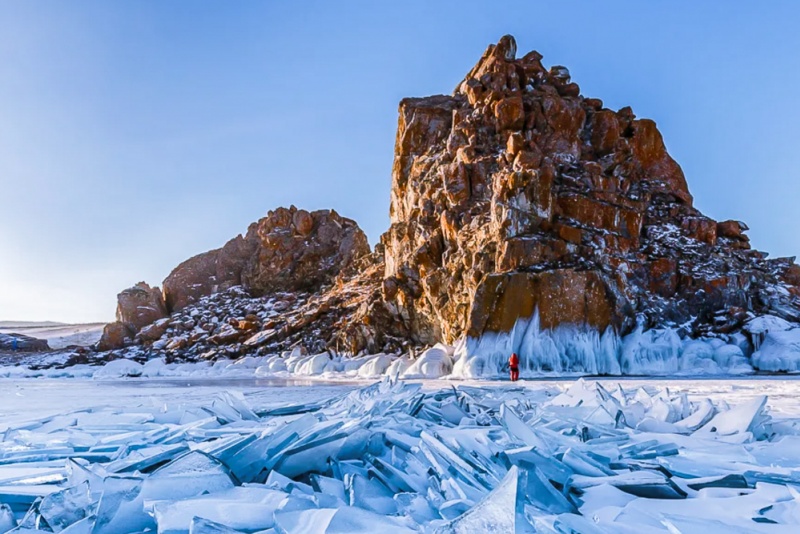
(223, 456)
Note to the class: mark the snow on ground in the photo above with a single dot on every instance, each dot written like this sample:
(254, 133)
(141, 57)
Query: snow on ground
(58, 335)
(269, 455)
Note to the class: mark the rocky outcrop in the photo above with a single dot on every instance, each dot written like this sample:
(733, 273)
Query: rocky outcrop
(514, 198)
(22, 343)
(116, 335)
(516, 193)
(137, 307)
(296, 263)
(210, 272)
(140, 305)
(302, 251)
(288, 250)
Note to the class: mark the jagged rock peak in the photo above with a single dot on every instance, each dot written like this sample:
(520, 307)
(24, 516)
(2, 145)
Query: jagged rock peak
(518, 194)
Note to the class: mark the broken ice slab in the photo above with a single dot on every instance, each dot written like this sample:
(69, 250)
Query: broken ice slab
(703, 413)
(329, 486)
(61, 509)
(502, 510)
(678, 523)
(416, 506)
(7, 521)
(394, 478)
(293, 409)
(20, 498)
(249, 508)
(575, 524)
(780, 450)
(204, 526)
(311, 456)
(35, 455)
(277, 481)
(192, 474)
(584, 464)
(540, 493)
(346, 520)
(454, 508)
(83, 526)
(248, 458)
(771, 477)
(121, 507)
(517, 428)
(470, 472)
(647, 484)
(686, 466)
(745, 418)
(28, 474)
(370, 494)
(146, 458)
(552, 469)
(648, 450)
(726, 481)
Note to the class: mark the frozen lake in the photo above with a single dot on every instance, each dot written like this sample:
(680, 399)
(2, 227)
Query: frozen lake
(303, 456)
(25, 399)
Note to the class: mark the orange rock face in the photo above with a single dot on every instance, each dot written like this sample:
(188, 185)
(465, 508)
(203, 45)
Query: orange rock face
(517, 194)
(115, 336)
(302, 251)
(140, 306)
(288, 250)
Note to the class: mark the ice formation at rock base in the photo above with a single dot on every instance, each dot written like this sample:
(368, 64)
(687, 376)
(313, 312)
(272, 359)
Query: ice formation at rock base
(566, 350)
(394, 458)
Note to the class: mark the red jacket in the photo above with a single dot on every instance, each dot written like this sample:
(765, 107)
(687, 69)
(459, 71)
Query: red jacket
(513, 361)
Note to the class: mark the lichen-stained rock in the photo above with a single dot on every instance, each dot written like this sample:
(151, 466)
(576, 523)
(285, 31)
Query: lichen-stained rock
(298, 250)
(115, 336)
(209, 272)
(561, 296)
(516, 180)
(139, 306)
(289, 249)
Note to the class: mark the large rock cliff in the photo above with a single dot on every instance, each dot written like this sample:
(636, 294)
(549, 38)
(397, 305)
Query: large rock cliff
(517, 194)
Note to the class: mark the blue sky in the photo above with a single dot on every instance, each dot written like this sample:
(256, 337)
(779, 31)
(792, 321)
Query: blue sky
(136, 134)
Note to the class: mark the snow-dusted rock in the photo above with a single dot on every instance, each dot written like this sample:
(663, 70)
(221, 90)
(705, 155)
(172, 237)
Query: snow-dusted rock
(432, 363)
(119, 369)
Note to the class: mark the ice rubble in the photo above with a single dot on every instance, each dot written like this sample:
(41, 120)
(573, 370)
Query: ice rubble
(393, 458)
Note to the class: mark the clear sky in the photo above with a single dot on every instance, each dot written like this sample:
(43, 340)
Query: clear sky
(134, 135)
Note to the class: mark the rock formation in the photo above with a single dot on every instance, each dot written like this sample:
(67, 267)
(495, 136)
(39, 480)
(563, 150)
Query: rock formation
(516, 194)
(514, 198)
(137, 307)
(288, 250)
(22, 343)
(282, 264)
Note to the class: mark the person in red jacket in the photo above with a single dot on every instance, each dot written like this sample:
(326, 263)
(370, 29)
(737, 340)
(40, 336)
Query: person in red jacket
(513, 365)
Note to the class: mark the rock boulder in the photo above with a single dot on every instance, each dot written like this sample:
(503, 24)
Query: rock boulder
(140, 305)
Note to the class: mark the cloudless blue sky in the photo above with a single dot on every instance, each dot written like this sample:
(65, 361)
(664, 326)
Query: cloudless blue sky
(134, 135)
